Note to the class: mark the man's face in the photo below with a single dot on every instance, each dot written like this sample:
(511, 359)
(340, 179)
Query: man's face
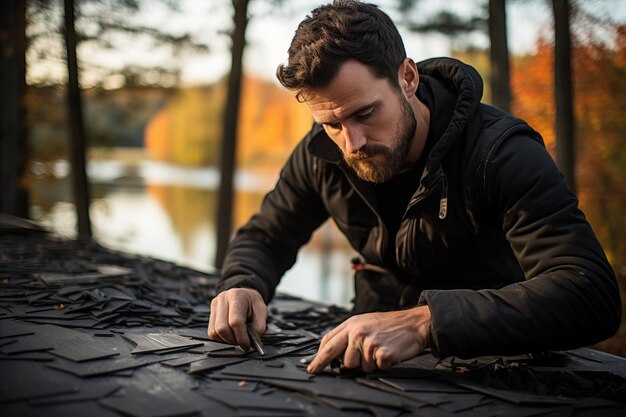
(371, 121)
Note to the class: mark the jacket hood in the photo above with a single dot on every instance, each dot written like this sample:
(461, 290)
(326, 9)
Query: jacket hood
(462, 80)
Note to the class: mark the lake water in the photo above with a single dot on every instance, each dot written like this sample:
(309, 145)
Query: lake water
(167, 212)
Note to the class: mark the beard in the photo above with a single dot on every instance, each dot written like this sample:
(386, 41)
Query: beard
(389, 160)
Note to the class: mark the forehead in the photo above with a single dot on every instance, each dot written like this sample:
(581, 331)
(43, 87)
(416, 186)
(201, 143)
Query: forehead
(353, 87)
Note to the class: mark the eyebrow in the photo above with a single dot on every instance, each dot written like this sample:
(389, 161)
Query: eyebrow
(355, 112)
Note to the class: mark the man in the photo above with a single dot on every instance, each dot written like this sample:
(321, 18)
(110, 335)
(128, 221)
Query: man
(471, 242)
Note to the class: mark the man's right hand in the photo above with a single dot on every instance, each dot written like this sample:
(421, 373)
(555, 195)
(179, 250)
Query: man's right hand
(231, 310)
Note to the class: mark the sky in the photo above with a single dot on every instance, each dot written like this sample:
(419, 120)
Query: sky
(270, 31)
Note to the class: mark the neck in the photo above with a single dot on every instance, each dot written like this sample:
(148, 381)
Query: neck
(422, 117)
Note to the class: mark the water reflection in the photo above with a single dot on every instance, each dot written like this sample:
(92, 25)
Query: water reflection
(167, 212)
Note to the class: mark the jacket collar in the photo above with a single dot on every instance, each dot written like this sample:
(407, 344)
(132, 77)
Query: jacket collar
(322, 146)
(465, 83)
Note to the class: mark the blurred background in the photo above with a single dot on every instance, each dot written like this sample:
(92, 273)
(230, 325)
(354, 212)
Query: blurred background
(156, 127)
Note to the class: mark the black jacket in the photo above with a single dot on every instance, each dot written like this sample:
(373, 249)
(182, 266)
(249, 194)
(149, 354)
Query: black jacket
(492, 240)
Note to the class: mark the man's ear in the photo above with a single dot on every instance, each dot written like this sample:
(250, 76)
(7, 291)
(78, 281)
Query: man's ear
(408, 77)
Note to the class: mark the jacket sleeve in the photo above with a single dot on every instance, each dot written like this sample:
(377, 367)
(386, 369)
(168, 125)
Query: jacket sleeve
(267, 245)
(570, 296)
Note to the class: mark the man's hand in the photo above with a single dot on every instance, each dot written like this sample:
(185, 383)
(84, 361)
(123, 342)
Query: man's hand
(375, 340)
(230, 311)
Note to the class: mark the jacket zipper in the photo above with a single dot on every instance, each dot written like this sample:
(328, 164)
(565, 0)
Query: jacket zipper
(443, 206)
(383, 229)
(443, 200)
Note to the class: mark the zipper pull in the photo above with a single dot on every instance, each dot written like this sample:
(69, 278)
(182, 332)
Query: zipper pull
(443, 202)
(357, 263)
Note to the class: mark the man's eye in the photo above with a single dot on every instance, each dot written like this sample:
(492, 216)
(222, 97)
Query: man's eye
(366, 114)
(333, 126)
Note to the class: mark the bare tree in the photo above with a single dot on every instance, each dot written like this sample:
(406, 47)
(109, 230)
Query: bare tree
(563, 92)
(13, 192)
(229, 136)
(80, 184)
(499, 55)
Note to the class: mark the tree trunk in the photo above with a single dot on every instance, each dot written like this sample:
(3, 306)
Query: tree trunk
(500, 73)
(563, 92)
(13, 147)
(80, 184)
(229, 136)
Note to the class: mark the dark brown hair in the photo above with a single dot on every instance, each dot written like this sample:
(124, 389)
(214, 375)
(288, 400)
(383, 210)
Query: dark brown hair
(335, 33)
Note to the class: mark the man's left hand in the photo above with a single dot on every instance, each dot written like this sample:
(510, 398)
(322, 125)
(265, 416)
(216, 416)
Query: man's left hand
(375, 340)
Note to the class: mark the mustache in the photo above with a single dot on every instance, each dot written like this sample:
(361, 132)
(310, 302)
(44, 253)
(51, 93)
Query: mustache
(366, 152)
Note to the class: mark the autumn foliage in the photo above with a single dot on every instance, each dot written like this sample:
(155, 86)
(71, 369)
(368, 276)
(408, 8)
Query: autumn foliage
(187, 131)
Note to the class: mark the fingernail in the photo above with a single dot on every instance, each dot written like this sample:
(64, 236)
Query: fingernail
(309, 369)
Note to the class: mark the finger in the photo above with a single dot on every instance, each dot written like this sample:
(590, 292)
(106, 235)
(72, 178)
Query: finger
(222, 328)
(213, 313)
(237, 318)
(328, 336)
(334, 348)
(368, 358)
(352, 355)
(384, 358)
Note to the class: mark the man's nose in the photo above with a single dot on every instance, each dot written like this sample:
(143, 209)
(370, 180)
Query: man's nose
(354, 139)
